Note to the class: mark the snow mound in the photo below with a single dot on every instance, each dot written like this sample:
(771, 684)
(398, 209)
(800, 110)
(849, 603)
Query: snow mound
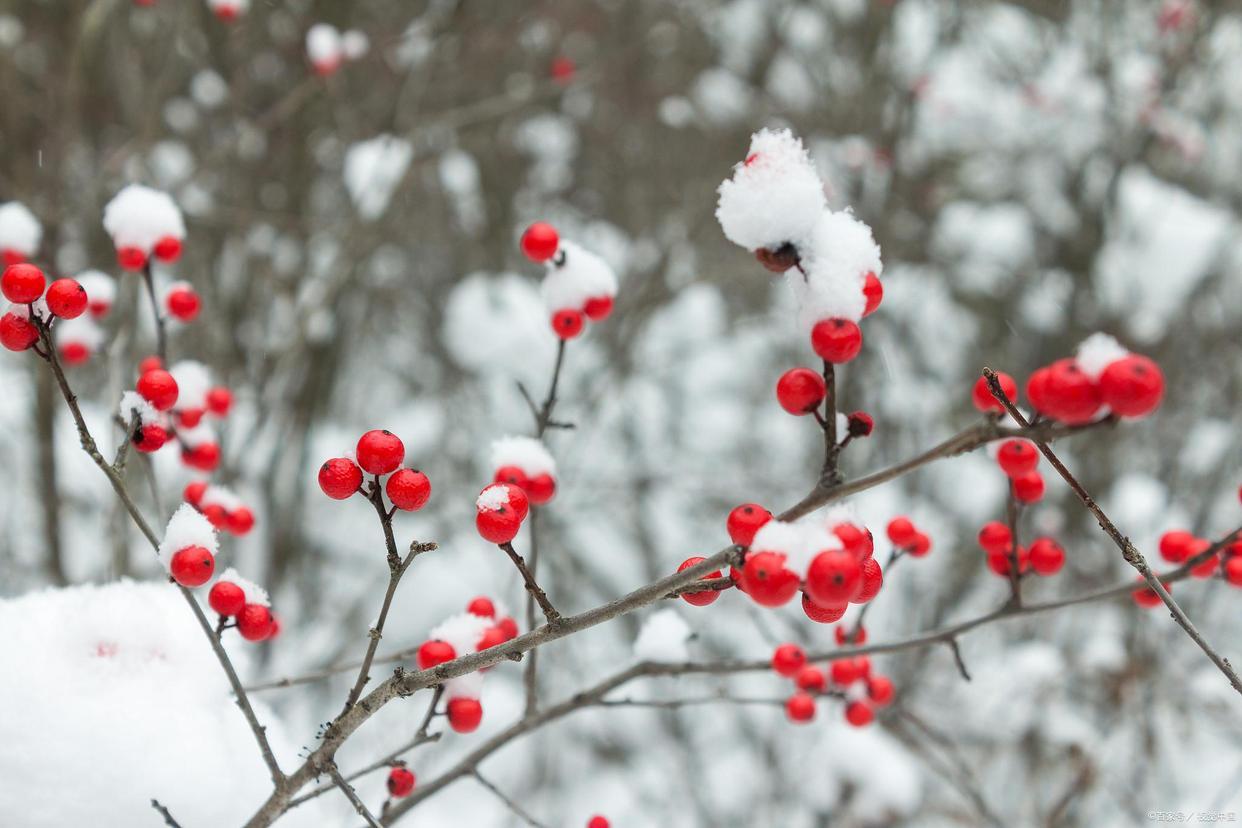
(139, 217)
(774, 196)
(663, 637)
(20, 231)
(527, 453)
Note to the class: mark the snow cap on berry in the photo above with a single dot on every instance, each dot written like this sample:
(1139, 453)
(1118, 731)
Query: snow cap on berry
(774, 197)
(132, 401)
(254, 593)
(1097, 352)
(228, 9)
(221, 496)
(835, 263)
(82, 331)
(20, 231)
(193, 382)
(663, 637)
(527, 453)
(462, 632)
(799, 542)
(582, 275)
(139, 217)
(99, 286)
(323, 46)
(187, 527)
(200, 435)
(493, 498)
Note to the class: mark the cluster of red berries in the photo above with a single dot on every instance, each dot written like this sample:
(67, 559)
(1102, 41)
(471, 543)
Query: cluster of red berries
(1019, 460)
(159, 388)
(500, 510)
(435, 652)
(400, 781)
(1044, 556)
(908, 538)
(839, 340)
(166, 249)
(379, 452)
(1178, 546)
(254, 620)
(221, 511)
(848, 679)
(801, 391)
(24, 284)
(541, 243)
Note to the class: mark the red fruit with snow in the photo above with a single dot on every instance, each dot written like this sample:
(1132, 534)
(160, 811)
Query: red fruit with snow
(526, 463)
(482, 606)
(540, 241)
(400, 782)
(408, 489)
(339, 478)
(380, 452)
(434, 653)
(22, 283)
(800, 707)
(192, 566)
(873, 289)
(17, 333)
(982, 397)
(800, 391)
(464, 715)
(150, 438)
(183, 303)
(567, 323)
(226, 598)
(131, 258)
(66, 299)
(501, 508)
(1017, 457)
(744, 521)
(836, 340)
(767, 581)
(1132, 386)
(699, 599)
(788, 660)
(158, 388)
(833, 578)
(255, 623)
(168, 249)
(598, 308)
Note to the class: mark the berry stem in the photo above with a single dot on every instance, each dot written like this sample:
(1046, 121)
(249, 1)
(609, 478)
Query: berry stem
(536, 592)
(1015, 577)
(161, 335)
(165, 813)
(831, 474)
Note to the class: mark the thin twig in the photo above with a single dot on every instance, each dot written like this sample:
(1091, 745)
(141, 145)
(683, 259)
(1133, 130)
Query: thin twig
(352, 796)
(957, 658)
(164, 812)
(830, 475)
(536, 591)
(161, 334)
(509, 803)
(1015, 575)
(530, 681)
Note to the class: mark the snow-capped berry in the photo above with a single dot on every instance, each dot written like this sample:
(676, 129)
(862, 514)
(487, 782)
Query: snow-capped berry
(858, 542)
(130, 258)
(1069, 394)
(215, 513)
(811, 679)
(513, 475)
(22, 283)
(339, 478)
(158, 388)
(204, 457)
(408, 489)
(821, 614)
(800, 707)
(872, 581)
(859, 714)
(774, 197)
(150, 438)
(995, 537)
(380, 451)
(1029, 488)
(239, 521)
(833, 578)
(845, 671)
(836, 340)
(1132, 386)
(400, 782)
(982, 397)
(767, 581)
(167, 249)
(219, 400)
(800, 391)
(540, 489)
(1176, 545)
(1046, 556)
(526, 463)
(501, 510)
(744, 521)
(788, 659)
(255, 623)
(226, 598)
(598, 308)
(138, 218)
(192, 566)
(568, 323)
(17, 333)
(464, 714)
(1017, 457)
(699, 599)
(1146, 597)
(540, 241)
(860, 424)
(873, 289)
(901, 532)
(481, 606)
(921, 545)
(66, 299)
(880, 690)
(844, 635)
(433, 653)
(182, 303)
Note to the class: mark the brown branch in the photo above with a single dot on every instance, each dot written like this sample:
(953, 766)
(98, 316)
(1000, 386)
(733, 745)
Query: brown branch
(536, 591)
(530, 680)
(161, 334)
(165, 813)
(830, 474)
(1128, 551)
(1015, 575)
(352, 796)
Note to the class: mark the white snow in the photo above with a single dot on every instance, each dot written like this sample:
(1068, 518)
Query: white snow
(99, 286)
(775, 198)
(254, 593)
(132, 401)
(221, 496)
(20, 231)
(354, 44)
(462, 631)
(1097, 352)
(193, 383)
(83, 331)
(139, 217)
(527, 453)
(799, 542)
(493, 497)
(663, 637)
(373, 169)
(835, 262)
(323, 44)
(201, 434)
(187, 528)
(582, 276)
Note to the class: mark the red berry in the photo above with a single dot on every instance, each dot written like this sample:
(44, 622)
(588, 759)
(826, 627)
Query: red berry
(219, 400)
(168, 249)
(434, 653)
(901, 532)
(880, 690)
(859, 714)
(150, 438)
(767, 581)
(1146, 597)
(856, 635)
(921, 545)
(22, 283)
(491, 637)
(74, 353)
(598, 308)
(858, 542)
(1176, 545)
(1207, 567)
(568, 323)
(820, 614)
(811, 679)
(513, 475)
(597, 822)
(204, 457)
(183, 304)
(845, 671)
(872, 581)
(380, 452)
(788, 659)
(1233, 571)
(833, 578)
(995, 537)
(255, 623)
(464, 715)
(339, 478)
(400, 782)
(800, 707)
(482, 607)
(190, 417)
(699, 599)
(1017, 458)
(744, 521)
(192, 566)
(226, 598)
(408, 489)
(158, 388)
(800, 391)
(215, 515)
(540, 489)
(131, 258)
(1069, 394)
(150, 363)
(239, 521)
(1029, 488)
(982, 397)
(500, 521)
(66, 299)
(1046, 556)
(861, 424)
(193, 492)
(873, 289)
(1002, 563)
(1132, 386)
(836, 340)
(509, 627)
(540, 241)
